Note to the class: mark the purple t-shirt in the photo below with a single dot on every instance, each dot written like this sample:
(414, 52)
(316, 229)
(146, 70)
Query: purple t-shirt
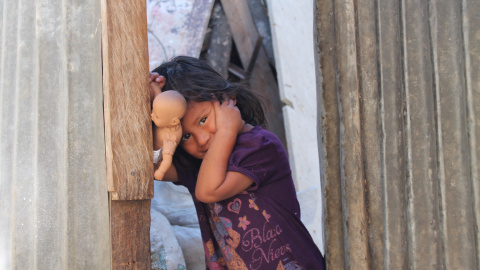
(259, 228)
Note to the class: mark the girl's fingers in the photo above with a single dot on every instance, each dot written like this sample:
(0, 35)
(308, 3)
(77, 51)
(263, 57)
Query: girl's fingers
(226, 102)
(228, 115)
(216, 104)
(224, 107)
(154, 76)
(161, 81)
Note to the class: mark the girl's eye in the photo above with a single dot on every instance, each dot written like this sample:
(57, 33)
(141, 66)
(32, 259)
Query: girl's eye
(185, 137)
(202, 121)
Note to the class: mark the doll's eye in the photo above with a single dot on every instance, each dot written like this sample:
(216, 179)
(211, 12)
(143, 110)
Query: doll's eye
(202, 121)
(185, 137)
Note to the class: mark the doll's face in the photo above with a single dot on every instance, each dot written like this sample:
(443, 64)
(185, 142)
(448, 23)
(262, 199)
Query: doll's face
(168, 108)
(162, 120)
(198, 127)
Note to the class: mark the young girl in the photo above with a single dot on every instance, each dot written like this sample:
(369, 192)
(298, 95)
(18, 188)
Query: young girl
(237, 172)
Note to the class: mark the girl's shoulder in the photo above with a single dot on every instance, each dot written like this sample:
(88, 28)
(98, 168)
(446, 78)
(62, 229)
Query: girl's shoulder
(258, 141)
(258, 135)
(260, 155)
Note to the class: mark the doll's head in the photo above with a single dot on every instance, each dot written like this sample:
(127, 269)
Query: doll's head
(199, 82)
(168, 108)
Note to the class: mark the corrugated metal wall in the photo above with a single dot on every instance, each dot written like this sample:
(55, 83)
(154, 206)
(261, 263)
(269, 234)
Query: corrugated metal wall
(399, 125)
(53, 195)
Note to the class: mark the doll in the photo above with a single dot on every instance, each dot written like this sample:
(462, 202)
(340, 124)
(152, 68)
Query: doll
(167, 109)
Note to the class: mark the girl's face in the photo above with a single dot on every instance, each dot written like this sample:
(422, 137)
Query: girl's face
(199, 127)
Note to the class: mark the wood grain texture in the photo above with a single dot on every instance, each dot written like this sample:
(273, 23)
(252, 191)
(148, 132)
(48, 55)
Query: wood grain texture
(130, 232)
(128, 132)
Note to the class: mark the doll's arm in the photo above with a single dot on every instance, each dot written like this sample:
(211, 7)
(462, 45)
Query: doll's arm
(214, 183)
(170, 175)
(168, 149)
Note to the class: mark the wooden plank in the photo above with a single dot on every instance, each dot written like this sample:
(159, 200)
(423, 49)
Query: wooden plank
(261, 19)
(130, 232)
(243, 28)
(262, 79)
(218, 54)
(128, 133)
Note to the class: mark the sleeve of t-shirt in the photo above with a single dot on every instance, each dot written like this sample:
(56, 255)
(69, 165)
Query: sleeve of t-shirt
(261, 158)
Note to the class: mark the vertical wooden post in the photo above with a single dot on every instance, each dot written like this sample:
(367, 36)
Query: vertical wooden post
(128, 133)
(130, 232)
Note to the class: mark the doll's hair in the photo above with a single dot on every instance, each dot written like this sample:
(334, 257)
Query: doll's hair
(197, 81)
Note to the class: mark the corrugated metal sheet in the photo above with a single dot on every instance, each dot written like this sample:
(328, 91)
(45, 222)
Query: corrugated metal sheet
(53, 195)
(399, 125)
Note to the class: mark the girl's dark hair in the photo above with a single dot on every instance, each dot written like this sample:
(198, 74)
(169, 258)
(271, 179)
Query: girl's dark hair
(197, 81)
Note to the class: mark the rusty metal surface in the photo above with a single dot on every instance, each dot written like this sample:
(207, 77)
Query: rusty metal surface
(329, 132)
(53, 200)
(399, 129)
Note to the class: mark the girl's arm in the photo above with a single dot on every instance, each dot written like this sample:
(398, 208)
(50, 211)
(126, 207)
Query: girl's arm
(214, 183)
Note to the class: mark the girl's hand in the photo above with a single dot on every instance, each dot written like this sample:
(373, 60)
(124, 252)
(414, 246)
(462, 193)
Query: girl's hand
(155, 77)
(157, 82)
(214, 182)
(228, 117)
